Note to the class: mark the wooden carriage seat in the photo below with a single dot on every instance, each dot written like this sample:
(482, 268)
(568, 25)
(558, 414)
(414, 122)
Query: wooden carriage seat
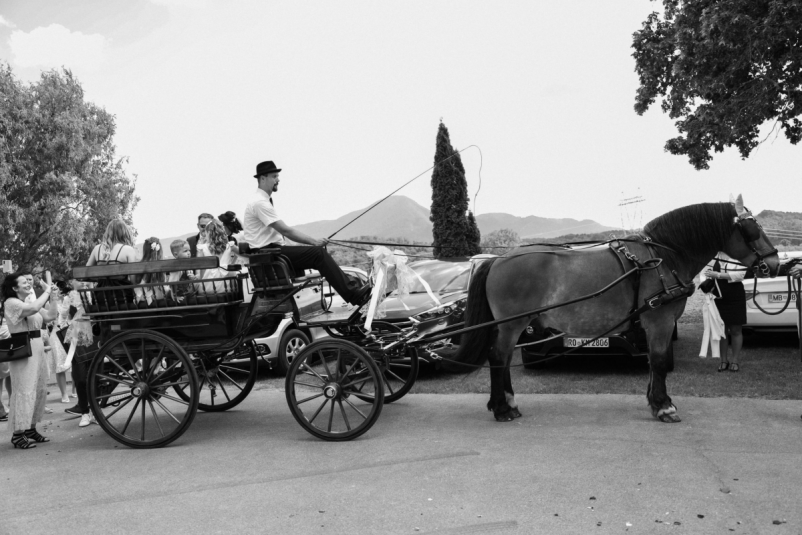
(271, 271)
(116, 294)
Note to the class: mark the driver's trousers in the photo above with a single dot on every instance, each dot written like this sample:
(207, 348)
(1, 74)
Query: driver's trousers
(311, 257)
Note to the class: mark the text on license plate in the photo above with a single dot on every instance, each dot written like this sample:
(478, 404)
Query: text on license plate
(576, 342)
(780, 298)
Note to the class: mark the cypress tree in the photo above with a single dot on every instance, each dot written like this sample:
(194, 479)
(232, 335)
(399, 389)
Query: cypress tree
(454, 229)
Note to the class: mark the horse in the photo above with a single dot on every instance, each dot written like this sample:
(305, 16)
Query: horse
(544, 277)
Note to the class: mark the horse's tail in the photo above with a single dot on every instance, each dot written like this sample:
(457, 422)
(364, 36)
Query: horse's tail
(474, 345)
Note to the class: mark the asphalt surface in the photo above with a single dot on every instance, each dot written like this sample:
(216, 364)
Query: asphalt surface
(432, 464)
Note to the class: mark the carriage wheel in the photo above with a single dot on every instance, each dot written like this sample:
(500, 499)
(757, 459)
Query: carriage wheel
(221, 383)
(399, 372)
(321, 385)
(129, 381)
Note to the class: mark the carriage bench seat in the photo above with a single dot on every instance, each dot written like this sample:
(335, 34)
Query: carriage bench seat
(270, 271)
(114, 294)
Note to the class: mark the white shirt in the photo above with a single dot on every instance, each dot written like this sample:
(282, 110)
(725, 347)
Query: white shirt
(259, 215)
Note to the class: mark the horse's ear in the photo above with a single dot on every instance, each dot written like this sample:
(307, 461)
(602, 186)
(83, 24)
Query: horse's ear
(739, 205)
(732, 199)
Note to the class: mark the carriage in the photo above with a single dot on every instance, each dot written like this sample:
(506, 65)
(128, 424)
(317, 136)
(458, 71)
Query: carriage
(185, 346)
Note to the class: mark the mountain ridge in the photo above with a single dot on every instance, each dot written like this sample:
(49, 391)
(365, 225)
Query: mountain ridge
(401, 217)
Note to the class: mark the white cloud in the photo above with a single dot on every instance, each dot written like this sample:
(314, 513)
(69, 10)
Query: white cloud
(7, 23)
(56, 46)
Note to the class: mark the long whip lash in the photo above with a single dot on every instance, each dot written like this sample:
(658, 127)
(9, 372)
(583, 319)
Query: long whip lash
(410, 181)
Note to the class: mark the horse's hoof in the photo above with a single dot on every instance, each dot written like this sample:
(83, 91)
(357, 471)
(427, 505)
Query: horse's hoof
(669, 418)
(504, 417)
(515, 412)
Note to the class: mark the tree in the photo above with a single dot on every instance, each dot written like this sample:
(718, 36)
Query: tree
(454, 228)
(60, 181)
(723, 69)
(500, 241)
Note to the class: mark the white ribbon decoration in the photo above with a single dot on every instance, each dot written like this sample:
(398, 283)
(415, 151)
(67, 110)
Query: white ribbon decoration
(391, 272)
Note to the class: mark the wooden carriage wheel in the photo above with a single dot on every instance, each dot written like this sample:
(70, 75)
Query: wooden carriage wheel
(130, 392)
(321, 387)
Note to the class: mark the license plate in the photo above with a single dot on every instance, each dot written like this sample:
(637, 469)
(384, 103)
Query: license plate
(781, 298)
(576, 342)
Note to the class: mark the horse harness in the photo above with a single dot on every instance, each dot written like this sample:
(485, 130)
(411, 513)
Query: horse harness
(750, 231)
(664, 296)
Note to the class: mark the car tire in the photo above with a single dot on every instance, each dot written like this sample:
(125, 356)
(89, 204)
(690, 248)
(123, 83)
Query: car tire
(293, 341)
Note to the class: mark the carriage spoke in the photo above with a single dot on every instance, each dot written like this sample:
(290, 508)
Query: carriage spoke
(325, 364)
(165, 409)
(356, 408)
(109, 378)
(131, 360)
(171, 398)
(127, 401)
(318, 410)
(309, 368)
(143, 420)
(170, 368)
(111, 359)
(133, 411)
(357, 382)
(389, 385)
(232, 369)
(397, 378)
(112, 394)
(223, 388)
(337, 367)
(307, 384)
(310, 398)
(168, 385)
(331, 415)
(158, 424)
(155, 363)
(233, 382)
(345, 416)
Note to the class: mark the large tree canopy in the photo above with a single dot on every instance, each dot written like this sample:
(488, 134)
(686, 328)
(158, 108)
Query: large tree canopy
(723, 68)
(60, 181)
(454, 228)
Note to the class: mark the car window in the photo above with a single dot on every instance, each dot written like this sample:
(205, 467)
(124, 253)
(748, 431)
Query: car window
(355, 278)
(460, 282)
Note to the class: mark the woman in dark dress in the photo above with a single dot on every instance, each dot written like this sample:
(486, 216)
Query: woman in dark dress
(732, 309)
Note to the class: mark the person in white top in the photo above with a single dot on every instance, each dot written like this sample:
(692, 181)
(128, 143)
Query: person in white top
(264, 228)
(731, 307)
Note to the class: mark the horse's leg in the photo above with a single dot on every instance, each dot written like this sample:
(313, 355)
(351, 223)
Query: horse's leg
(659, 335)
(508, 392)
(500, 382)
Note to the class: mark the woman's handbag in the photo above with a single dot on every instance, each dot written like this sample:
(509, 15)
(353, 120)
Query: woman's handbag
(16, 347)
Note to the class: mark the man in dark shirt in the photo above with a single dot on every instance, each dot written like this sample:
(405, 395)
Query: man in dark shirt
(203, 220)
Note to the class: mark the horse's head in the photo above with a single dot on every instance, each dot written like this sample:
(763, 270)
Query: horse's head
(750, 245)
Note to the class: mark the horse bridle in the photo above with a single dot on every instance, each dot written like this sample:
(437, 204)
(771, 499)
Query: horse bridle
(750, 231)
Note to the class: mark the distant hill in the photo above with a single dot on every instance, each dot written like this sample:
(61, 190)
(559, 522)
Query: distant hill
(782, 226)
(401, 217)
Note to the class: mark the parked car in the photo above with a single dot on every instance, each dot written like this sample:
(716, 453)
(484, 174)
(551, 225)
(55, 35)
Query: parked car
(772, 295)
(289, 339)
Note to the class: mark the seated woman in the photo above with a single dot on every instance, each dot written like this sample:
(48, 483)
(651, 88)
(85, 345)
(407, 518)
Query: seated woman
(116, 247)
(147, 295)
(217, 244)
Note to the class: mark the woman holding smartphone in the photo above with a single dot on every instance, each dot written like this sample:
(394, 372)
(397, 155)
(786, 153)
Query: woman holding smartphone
(28, 376)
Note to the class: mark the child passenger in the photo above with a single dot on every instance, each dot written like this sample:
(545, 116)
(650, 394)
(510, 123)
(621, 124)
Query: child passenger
(217, 244)
(151, 251)
(180, 292)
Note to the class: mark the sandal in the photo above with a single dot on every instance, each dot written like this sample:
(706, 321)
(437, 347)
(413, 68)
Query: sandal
(723, 366)
(19, 440)
(33, 434)
(734, 367)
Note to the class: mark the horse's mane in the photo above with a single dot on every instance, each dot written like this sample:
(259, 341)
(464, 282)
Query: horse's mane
(695, 229)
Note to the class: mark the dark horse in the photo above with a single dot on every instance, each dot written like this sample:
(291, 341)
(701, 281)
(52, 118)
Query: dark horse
(530, 278)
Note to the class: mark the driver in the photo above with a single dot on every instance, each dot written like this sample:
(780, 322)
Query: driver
(265, 229)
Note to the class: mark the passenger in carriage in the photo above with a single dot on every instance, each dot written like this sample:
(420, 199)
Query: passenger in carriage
(116, 247)
(180, 292)
(200, 238)
(232, 225)
(148, 295)
(217, 244)
(265, 229)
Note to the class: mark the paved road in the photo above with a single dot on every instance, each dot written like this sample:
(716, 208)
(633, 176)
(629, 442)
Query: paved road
(432, 464)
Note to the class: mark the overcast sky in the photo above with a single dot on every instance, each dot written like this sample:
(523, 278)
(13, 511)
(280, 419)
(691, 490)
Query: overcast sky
(346, 97)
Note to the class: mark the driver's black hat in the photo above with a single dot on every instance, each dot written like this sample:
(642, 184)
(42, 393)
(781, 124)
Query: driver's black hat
(265, 168)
